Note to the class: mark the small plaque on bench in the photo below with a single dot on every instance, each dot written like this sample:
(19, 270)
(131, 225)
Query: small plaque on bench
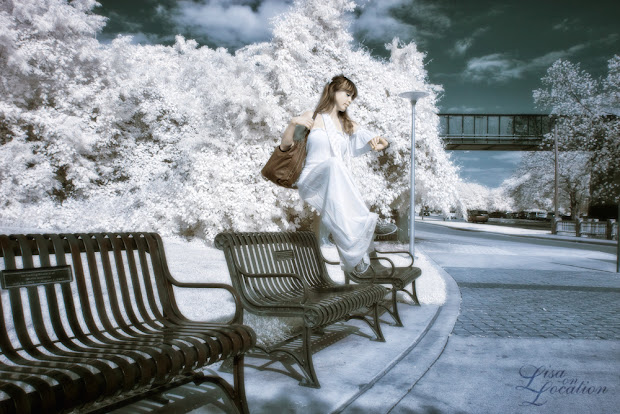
(284, 254)
(33, 277)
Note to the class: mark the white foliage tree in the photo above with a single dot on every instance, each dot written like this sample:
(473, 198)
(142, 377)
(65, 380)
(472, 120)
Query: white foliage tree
(173, 138)
(474, 196)
(532, 186)
(51, 68)
(500, 200)
(589, 120)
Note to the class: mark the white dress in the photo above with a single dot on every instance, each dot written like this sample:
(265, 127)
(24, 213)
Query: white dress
(326, 184)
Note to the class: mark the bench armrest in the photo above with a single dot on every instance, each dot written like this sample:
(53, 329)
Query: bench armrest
(304, 285)
(392, 267)
(237, 318)
(398, 252)
(328, 261)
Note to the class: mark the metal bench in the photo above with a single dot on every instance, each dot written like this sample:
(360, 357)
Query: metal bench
(284, 274)
(90, 322)
(397, 277)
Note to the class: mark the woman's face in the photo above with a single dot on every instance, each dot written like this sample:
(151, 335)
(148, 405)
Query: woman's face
(342, 99)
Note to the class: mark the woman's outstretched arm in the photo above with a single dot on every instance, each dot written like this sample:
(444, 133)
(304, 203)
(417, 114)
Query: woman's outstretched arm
(375, 142)
(304, 120)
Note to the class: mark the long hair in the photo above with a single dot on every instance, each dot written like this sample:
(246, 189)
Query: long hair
(327, 102)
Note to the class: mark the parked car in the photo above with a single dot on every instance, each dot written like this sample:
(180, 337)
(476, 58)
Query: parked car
(477, 216)
(537, 215)
(450, 216)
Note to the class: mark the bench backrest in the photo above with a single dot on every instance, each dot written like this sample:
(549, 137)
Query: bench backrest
(275, 254)
(69, 285)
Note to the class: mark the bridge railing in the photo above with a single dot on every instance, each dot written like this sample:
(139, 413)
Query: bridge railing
(494, 125)
(494, 131)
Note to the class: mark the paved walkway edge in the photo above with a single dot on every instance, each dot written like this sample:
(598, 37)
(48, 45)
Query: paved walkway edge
(417, 359)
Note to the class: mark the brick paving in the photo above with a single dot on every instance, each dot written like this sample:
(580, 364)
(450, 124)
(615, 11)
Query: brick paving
(538, 311)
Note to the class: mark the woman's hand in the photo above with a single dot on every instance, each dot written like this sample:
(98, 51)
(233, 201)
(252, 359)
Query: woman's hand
(378, 143)
(304, 120)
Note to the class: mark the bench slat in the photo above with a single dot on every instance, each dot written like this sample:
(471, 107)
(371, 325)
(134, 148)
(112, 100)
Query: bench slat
(114, 329)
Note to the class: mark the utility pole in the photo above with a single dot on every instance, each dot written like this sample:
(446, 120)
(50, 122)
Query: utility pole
(556, 211)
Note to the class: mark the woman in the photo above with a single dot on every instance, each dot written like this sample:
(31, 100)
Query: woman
(325, 181)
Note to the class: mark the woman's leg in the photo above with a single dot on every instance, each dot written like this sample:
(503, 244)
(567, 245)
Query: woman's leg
(331, 191)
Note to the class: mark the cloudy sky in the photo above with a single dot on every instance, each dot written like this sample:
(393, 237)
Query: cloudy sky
(489, 55)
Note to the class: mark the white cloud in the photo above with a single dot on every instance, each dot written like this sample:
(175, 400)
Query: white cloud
(235, 23)
(510, 157)
(461, 46)
(376, 20)
(468, 158)
(495, 67)
(136, 38)
(490, 172)
(464, 109)
(227, 23)
(473, 169)
(566, 25)
(500, 67)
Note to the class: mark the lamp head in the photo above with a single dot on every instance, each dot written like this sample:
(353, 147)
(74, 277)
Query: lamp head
(413, 96)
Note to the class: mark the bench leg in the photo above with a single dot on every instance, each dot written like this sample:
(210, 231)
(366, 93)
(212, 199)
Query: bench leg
(375, 323)
(376, 326)
(306, 363)
(239, 381)
(236, 393)
(302, 356)
(413, 294)
(394, 309)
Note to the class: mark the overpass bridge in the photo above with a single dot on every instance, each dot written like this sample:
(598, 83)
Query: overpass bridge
(494, 132)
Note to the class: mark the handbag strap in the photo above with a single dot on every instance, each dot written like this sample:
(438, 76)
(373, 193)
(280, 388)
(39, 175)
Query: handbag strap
(313, 118)
(307, 130)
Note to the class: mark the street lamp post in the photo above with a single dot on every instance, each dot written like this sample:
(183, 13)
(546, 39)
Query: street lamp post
(413, 97)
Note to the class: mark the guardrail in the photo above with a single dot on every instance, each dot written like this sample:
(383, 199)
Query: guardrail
(588, 228)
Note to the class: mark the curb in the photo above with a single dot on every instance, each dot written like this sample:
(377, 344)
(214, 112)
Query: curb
(388, 388)
(574, 240)
(388, 368)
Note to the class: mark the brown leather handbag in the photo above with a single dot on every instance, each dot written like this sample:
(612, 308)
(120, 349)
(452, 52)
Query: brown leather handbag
(284, 167)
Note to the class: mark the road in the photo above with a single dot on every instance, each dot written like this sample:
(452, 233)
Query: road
(535, 314)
